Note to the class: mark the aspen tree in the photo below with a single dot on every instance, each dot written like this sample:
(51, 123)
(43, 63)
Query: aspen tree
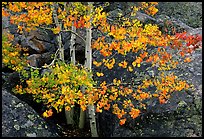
(88, 64)
(70, 114)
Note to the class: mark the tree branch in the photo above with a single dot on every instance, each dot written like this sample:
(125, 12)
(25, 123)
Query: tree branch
(46, 66)
(67, 31)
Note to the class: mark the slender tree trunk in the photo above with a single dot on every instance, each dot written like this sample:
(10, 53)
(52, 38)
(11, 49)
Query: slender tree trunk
(82, 117)
(88, 63)
(59, 37)
(72, 48)
(82, 114)
(70, 114)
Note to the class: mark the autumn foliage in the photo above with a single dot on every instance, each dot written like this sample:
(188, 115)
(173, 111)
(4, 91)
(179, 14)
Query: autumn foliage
(60, 88)
(12, 54)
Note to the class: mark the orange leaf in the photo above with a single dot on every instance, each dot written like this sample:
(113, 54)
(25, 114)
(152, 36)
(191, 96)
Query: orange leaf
(122, 121)
(107, 107)
(112, 97)
(149, 59)
(139, 91)
(50, 112)
(67, 108)
(143, 55)
(47, 113)
(75, 24)
(155, 95)
(182, 53)
(138, 60)
(162, 100)
(123, 64)
(156, 58)
(187, 59)
(144, 95)
(134, 113)
(4, 13)
(102, 92)
(83, 107)
(98, 110)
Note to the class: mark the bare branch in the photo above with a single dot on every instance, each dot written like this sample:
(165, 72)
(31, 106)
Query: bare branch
(67, 31)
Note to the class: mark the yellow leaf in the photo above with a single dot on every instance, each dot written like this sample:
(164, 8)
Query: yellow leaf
(130, 68)
(45, 114)
(114, 81)
(134, 64)
(99, 74)
(187, 59)
(123, 64)
(97, 64)
(56, 30)
(67, 108)
(48, 113)
(98, 110)
(5, 61)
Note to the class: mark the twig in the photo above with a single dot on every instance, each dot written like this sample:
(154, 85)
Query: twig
(75, 34)
(33, 67)
(46, 66)
(112, 84)
(66, 31)
(95, 52)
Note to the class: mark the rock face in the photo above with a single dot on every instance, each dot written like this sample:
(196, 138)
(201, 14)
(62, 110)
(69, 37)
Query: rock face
(181, 116)
(20, 120)
(188, 12)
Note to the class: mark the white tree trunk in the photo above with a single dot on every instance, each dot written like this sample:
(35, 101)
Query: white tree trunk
(88, 64)
(72, 48)
(70, 114)
(82, 113)
(59, 37)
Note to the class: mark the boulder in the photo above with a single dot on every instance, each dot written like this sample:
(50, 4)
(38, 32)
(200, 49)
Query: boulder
(39, 60)
(37, 41)
(33, 60)
(181, 116)
(188, 12)
(20, 120)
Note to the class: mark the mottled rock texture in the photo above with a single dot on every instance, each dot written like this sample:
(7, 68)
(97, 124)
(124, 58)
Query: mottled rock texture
(20, 120)
(182, 115)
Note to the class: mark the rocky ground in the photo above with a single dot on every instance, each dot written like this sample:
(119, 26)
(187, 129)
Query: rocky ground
(180, 117)
(188, 12)
(20, 120)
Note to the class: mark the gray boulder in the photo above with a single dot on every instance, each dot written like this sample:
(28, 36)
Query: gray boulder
(20, 120)
(188, 12)
(181, 116)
